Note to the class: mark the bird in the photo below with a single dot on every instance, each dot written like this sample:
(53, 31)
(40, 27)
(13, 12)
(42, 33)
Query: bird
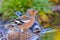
(35, 27)
(27, 20)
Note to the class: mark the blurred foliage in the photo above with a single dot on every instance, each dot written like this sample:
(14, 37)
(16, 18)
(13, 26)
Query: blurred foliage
(9, 7)
(52, 35)
(48, 36)
(56, 2)
(57, 35)
(46, 19)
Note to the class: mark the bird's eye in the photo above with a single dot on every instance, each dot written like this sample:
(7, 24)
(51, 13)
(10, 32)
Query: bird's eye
(33, 11)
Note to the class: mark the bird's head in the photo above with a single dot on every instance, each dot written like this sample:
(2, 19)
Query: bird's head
(32, 12)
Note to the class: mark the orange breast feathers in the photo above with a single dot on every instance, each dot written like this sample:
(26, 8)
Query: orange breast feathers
(27, 25)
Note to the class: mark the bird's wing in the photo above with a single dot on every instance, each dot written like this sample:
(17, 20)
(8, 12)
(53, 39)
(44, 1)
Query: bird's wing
(25, 21)
(24, 17)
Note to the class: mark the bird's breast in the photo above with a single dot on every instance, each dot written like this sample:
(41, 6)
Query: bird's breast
(27, 25)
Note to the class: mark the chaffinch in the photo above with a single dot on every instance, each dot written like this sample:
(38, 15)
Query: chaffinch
(27, 20)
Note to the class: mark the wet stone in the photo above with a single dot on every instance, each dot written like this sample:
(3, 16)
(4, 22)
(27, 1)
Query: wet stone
(3, 38)
(1, 35)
